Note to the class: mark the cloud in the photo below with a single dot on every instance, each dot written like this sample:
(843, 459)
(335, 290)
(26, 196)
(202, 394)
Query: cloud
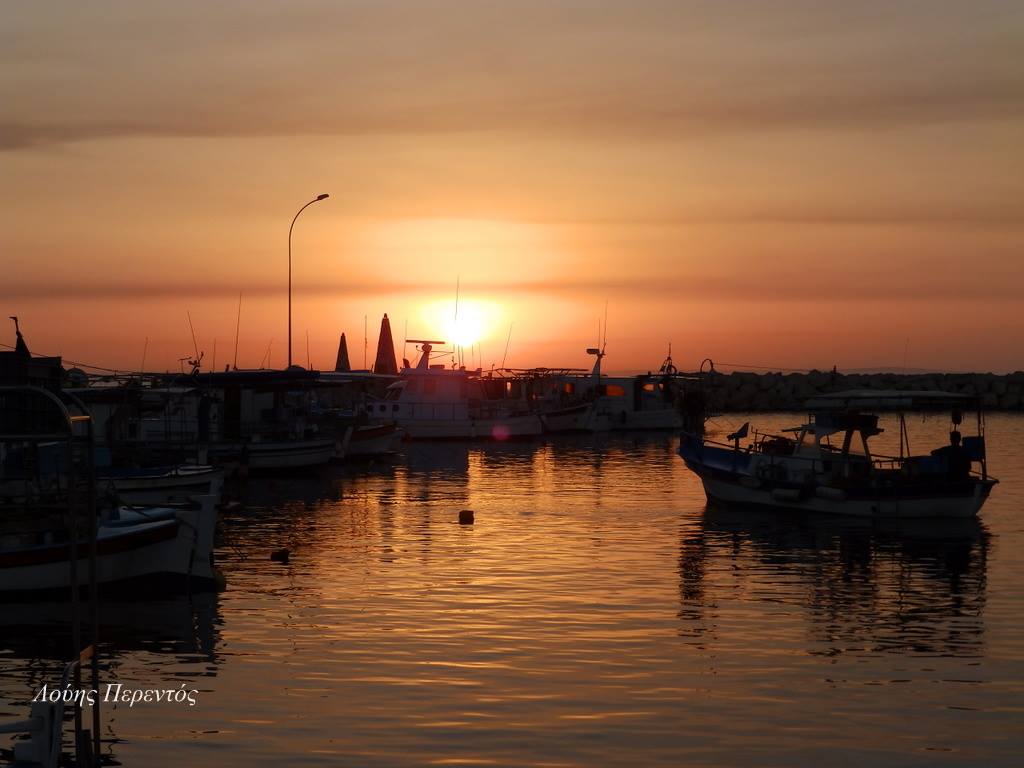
(566, 69)
(758, 286)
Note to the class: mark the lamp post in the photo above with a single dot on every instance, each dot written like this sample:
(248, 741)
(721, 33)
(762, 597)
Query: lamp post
(317, 199)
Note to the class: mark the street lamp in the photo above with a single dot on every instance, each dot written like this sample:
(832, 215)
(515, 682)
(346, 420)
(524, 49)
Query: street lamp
(317, 199)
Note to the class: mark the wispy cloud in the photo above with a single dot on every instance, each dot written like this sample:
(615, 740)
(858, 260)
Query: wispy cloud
(791, 287)
(566, 68)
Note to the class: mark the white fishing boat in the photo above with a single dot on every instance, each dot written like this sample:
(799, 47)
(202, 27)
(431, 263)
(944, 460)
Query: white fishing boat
(826, 464)
(135, 546)
(270, 455)
(435, 402)
(156, 485)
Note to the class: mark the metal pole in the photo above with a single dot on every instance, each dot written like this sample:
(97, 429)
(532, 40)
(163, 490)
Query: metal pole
(316, 199)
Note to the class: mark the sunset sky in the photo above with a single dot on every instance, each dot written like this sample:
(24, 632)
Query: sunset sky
(791, 184)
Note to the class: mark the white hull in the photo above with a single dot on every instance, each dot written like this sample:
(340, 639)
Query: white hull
(902, 508)
(177, 485)
(568, 420)
(176, 545)
(283, 454)
(290, 455)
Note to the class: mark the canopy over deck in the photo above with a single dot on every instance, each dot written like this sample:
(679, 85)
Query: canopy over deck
(889, 400)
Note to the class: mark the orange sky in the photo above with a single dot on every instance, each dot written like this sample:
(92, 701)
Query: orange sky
(797, 184)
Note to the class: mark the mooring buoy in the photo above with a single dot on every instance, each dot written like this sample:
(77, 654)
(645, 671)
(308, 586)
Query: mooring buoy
(466, 517)
(279, 555)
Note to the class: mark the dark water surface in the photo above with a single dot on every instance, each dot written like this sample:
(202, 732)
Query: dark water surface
(597, 613)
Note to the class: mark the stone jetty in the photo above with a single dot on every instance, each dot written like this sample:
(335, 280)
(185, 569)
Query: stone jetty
(742, 391)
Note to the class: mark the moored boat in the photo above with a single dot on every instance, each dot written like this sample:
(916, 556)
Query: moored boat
(135, 547)
(156, 485)
(432, 402)
(826, 464)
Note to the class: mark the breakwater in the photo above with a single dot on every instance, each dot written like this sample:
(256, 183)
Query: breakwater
(743, 391)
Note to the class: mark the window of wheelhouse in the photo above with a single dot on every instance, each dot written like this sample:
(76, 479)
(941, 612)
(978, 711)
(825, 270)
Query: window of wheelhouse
(612, 390)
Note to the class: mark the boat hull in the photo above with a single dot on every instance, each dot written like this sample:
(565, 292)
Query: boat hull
(278, 455)
(578, 418)
(898, 507)
(498, 428)
(177, 485)
(376, 440)
(173, 548)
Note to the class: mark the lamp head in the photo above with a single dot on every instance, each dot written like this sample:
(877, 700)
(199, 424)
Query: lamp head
(324, 196)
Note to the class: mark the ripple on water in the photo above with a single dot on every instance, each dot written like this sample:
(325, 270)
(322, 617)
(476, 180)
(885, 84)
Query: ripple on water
(595, 614)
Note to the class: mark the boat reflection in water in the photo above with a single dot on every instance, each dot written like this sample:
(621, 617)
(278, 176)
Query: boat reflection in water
(144, 643)
(887, 586)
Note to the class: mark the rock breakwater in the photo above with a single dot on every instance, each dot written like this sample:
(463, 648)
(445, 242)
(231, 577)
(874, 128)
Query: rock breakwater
(742, 391)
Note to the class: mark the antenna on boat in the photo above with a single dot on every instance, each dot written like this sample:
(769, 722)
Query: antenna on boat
(605, 344)
(145, 347)
(266, 355)
(238, 323)
(507, 342)
(366, 343)
(213, 366)
(668, 366)
(309, 367)
(405, 339)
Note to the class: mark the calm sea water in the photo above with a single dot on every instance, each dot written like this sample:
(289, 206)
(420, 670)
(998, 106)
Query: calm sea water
(597, 613)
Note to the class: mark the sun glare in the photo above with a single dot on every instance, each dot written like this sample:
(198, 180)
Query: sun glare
(473, 323)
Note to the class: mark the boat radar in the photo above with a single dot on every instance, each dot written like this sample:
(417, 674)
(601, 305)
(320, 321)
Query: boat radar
(426, 346)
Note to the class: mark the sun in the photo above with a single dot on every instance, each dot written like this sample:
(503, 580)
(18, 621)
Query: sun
(468, 328)
(473, 323)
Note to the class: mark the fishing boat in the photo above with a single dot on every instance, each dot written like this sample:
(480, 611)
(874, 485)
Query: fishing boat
(826, 464)
(168, 546)
(571, 400)
(156, 485)
(432, 401)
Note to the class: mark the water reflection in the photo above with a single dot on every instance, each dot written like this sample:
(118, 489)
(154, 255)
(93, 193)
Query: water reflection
(866, 587)
(597, 613)
(143, 643)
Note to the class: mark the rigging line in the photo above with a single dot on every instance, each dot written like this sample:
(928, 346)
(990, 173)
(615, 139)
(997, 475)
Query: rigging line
(238, 323)
(605, 344)
(195, 346)
(507, 342)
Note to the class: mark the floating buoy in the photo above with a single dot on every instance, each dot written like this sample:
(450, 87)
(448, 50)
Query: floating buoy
(466, 517)
(279, 555)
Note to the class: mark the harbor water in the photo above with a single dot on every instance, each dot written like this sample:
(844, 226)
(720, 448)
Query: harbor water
(597, 613)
